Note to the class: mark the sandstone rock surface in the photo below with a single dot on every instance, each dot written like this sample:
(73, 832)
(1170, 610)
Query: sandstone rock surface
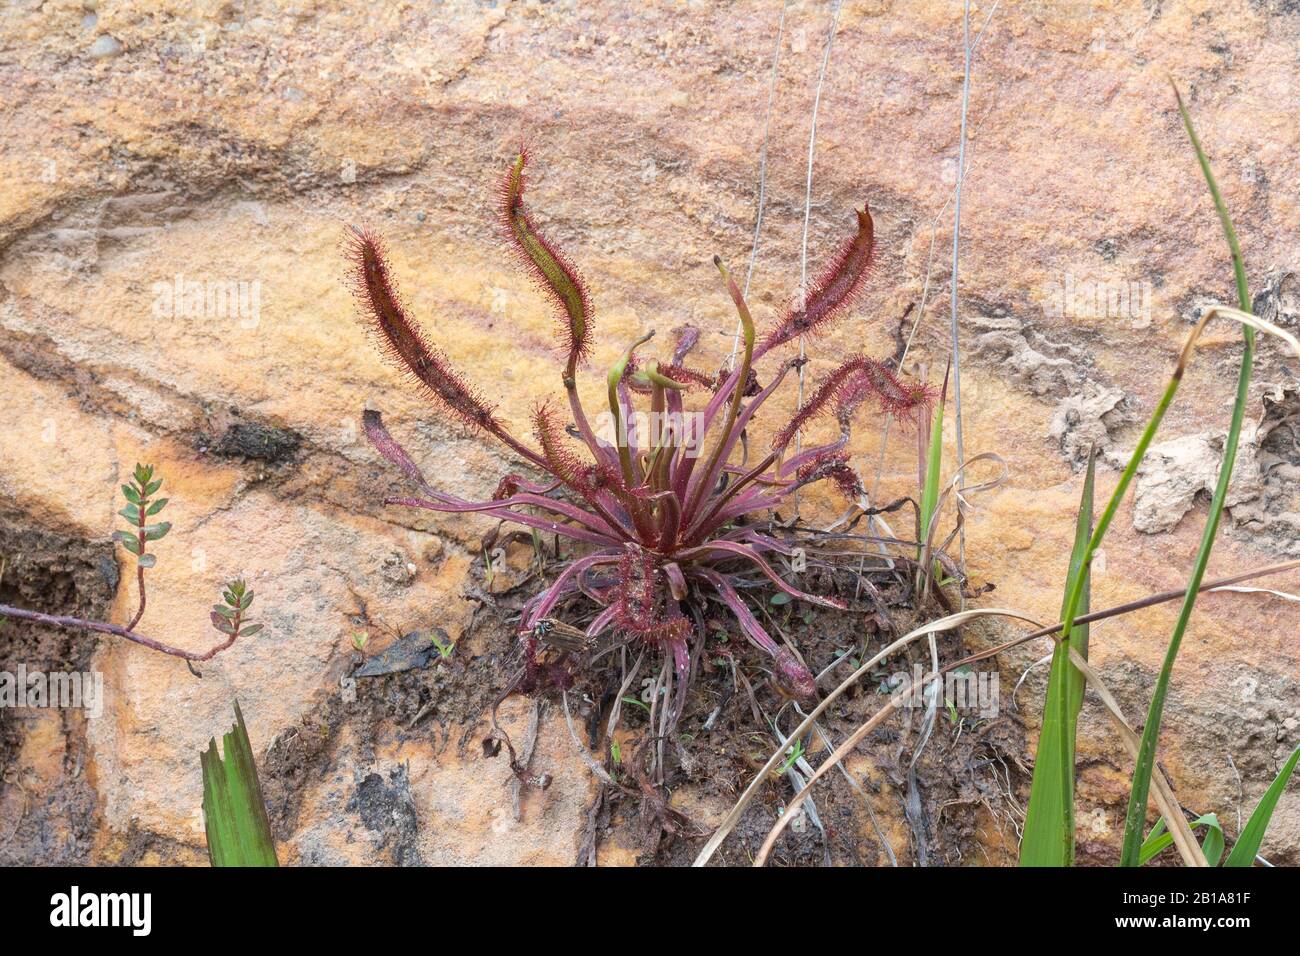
(171, 290)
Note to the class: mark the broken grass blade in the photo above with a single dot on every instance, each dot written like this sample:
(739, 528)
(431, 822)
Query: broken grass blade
(234, 813)
(1212, 845)
(1083, 529)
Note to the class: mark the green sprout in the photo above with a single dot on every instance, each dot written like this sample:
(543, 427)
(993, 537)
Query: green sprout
(795, 753)
(444, 647)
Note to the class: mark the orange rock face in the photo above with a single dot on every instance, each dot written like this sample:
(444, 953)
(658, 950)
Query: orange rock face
(171, 291)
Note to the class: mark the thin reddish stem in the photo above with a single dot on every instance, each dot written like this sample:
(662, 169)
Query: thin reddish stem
(102, 627)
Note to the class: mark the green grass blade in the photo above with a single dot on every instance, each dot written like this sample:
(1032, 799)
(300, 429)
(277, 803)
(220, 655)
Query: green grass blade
(1079, 634)
(1212, 845)
(1135, 821)
(1157, 840)
(1074, 592)
(1049, 819)
(1161, 839)
(234, 814)
(1248, 843)
(1075, 587)
(933, 469)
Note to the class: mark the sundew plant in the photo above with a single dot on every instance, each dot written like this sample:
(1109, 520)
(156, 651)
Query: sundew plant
(663, 496)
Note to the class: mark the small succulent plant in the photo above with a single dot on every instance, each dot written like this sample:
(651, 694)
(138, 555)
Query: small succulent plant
(665, 516)
(230, 618)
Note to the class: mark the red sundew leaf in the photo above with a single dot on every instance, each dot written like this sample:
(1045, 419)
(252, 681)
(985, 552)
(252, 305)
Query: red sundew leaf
(751, 554)
(549, 267)
(675, 635)
(835, 289)
(847, 386)
(687, 376)
(637, 592)
(676, 580)
(507, 487)
(373, 424)
(793, 675)
(401, 339)
(833, 465)
(688, 336)
(562, 461)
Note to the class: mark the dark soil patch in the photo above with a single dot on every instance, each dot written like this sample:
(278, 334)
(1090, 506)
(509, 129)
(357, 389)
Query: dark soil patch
(387, 809)
(55, 574)
(146, 848)
(413, 704)
(968, 771)
(966, 780)
(252, 440)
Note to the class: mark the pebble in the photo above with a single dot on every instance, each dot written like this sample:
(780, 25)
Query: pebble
(105, 47)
